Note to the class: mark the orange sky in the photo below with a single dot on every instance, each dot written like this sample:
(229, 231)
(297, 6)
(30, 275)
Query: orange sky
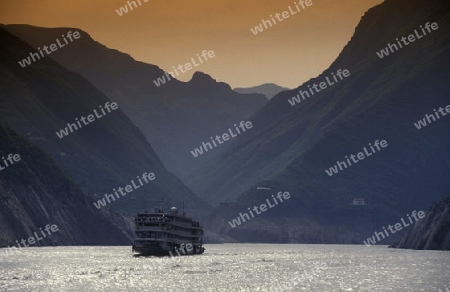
(169, 33)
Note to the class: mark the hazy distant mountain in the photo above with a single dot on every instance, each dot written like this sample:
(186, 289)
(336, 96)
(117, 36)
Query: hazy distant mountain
(291, 146)
(106, 154)
(268, 89)
(175, 117)
(35, 192)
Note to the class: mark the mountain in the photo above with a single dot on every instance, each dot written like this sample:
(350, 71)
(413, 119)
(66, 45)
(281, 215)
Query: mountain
(35, 192)
(268, 89)
(290, 147)
(106, 154)
(175, 117)
(431, 232)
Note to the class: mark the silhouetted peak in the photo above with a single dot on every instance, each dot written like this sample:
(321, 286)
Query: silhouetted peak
(202, 77)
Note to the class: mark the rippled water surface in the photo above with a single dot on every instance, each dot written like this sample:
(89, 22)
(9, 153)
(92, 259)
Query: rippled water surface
(228, 267)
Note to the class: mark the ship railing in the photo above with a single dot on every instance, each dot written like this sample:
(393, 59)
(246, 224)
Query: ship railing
(169, 230)
(150, 239)
(184, 236)
(185, 225)
(150, 228)
(153, 219)
(179, 241)
(184, 233)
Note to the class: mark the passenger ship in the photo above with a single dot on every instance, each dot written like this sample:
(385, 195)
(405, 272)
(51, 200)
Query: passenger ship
(160, 233)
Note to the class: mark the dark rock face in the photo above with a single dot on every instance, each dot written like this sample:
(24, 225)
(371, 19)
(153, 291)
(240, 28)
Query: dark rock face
(57, 178)
(175, 117)
(290, 147)
(35, 192)
(431, 232)
(40, 99)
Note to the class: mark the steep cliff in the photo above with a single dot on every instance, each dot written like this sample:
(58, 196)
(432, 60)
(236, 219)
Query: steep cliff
(431, 232)
(35, 192)
(42, 98)
(294, 147)
(176, 117)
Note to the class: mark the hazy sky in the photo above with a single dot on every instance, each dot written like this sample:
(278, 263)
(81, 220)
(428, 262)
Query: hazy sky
(169, 33)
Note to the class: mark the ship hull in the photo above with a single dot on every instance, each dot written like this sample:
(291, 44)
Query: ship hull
(148, 251)
(157, 251)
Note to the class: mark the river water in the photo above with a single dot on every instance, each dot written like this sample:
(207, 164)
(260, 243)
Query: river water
(228, 267)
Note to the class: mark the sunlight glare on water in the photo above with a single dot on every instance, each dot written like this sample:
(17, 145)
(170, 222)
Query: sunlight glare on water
(228, 267)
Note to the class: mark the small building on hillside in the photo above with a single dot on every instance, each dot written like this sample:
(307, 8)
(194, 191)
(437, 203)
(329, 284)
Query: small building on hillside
(359, 202)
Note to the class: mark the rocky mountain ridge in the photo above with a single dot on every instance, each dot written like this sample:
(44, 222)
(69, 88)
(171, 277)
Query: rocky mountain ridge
(431, 232)
(291, 147)
(175, 116)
